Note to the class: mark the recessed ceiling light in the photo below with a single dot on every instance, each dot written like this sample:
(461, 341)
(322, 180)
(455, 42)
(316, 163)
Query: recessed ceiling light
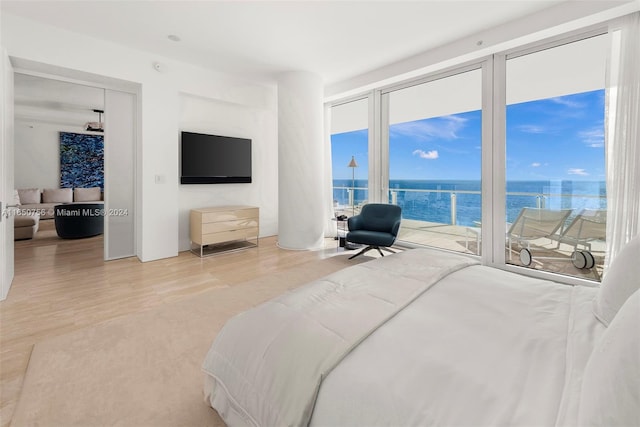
(173, 38)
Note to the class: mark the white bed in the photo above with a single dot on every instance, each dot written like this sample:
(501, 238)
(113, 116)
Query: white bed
(423, 338)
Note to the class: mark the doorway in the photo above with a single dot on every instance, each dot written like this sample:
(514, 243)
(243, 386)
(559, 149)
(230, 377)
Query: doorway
(58, 150)
(49, 104)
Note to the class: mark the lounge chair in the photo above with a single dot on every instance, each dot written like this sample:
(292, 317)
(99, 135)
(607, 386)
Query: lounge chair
(532, 224)
(587, 226)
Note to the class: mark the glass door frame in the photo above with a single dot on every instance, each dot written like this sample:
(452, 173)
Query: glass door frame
(371, 157)
(499, 221)
(493, 157)
(383, 123)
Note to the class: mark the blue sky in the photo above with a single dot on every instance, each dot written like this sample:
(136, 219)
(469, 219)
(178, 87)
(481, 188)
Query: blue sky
(557, 138)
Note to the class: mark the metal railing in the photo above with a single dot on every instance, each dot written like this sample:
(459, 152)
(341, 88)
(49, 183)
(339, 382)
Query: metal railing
(443, 206)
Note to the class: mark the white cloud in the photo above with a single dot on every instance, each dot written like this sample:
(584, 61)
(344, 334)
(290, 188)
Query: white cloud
(577, 171)
(567, 103)
(430, 155)
(531, 129)
(445, 127)
(536, 165)
(593, 137)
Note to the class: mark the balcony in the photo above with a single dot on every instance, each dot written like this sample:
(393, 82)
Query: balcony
(453, 222)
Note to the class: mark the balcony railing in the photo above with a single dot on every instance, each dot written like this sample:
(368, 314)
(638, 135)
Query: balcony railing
(451, 220)
(463, 207)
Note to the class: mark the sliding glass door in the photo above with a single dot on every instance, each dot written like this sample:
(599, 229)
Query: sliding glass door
(350, 155)
(434, 135)
(555, 158)
(506, 154)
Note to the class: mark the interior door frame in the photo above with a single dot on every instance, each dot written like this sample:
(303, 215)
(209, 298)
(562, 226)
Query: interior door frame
(6, 175)
(36, 69)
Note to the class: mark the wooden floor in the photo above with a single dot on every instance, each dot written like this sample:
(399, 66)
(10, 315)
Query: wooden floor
(64, 285)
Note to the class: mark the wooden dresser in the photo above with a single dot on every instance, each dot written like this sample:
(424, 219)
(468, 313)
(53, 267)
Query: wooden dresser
(223, 228)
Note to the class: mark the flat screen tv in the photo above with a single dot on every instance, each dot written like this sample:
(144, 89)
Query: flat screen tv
(214, 159)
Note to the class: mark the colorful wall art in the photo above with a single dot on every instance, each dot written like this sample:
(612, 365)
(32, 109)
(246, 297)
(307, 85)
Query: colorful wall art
(81, 160)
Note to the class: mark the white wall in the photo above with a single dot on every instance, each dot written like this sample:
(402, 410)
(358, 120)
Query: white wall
(158, 233)
(217, 117)
(37, 153)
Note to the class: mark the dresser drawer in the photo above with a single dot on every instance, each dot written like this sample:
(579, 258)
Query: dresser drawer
(227, 236)
(217, 227)
(229, 215)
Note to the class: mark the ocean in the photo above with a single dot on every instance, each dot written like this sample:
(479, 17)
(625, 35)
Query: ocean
(431, 200)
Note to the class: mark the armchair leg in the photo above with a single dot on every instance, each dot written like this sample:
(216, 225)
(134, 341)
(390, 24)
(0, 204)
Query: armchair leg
(368, 248)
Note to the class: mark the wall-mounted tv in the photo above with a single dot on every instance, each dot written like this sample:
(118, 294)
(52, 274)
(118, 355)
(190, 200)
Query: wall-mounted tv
(214, 159)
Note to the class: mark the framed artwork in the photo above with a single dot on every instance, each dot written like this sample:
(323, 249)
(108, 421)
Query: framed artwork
(81, 160)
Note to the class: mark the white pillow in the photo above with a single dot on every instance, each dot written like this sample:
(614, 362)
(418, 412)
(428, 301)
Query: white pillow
(86, 194)
(16, 197)
(610, 394)
(620, 281)
(57, 195)
(29, 196)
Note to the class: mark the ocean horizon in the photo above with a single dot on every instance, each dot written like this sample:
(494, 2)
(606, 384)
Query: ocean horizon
(430, 200)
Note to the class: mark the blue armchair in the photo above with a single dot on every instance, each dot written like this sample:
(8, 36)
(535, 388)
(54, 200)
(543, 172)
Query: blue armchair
(376, 226)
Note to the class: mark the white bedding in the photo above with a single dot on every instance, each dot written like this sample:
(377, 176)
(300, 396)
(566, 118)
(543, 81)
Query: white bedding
(480, 347)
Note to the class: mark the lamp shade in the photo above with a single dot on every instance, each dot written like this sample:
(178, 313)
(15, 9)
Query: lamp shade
(352, 163)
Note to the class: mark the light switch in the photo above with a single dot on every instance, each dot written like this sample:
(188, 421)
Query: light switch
(160, 179)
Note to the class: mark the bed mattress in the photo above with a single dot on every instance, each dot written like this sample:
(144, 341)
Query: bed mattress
(417, 338)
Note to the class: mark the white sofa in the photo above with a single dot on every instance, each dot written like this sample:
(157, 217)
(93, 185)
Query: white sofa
(35, 204)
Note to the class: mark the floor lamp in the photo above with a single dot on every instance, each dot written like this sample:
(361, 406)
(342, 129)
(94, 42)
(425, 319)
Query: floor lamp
(353, 165)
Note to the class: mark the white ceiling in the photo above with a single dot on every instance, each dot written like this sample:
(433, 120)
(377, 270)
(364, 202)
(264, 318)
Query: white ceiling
(257, 39)
(42, 100)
